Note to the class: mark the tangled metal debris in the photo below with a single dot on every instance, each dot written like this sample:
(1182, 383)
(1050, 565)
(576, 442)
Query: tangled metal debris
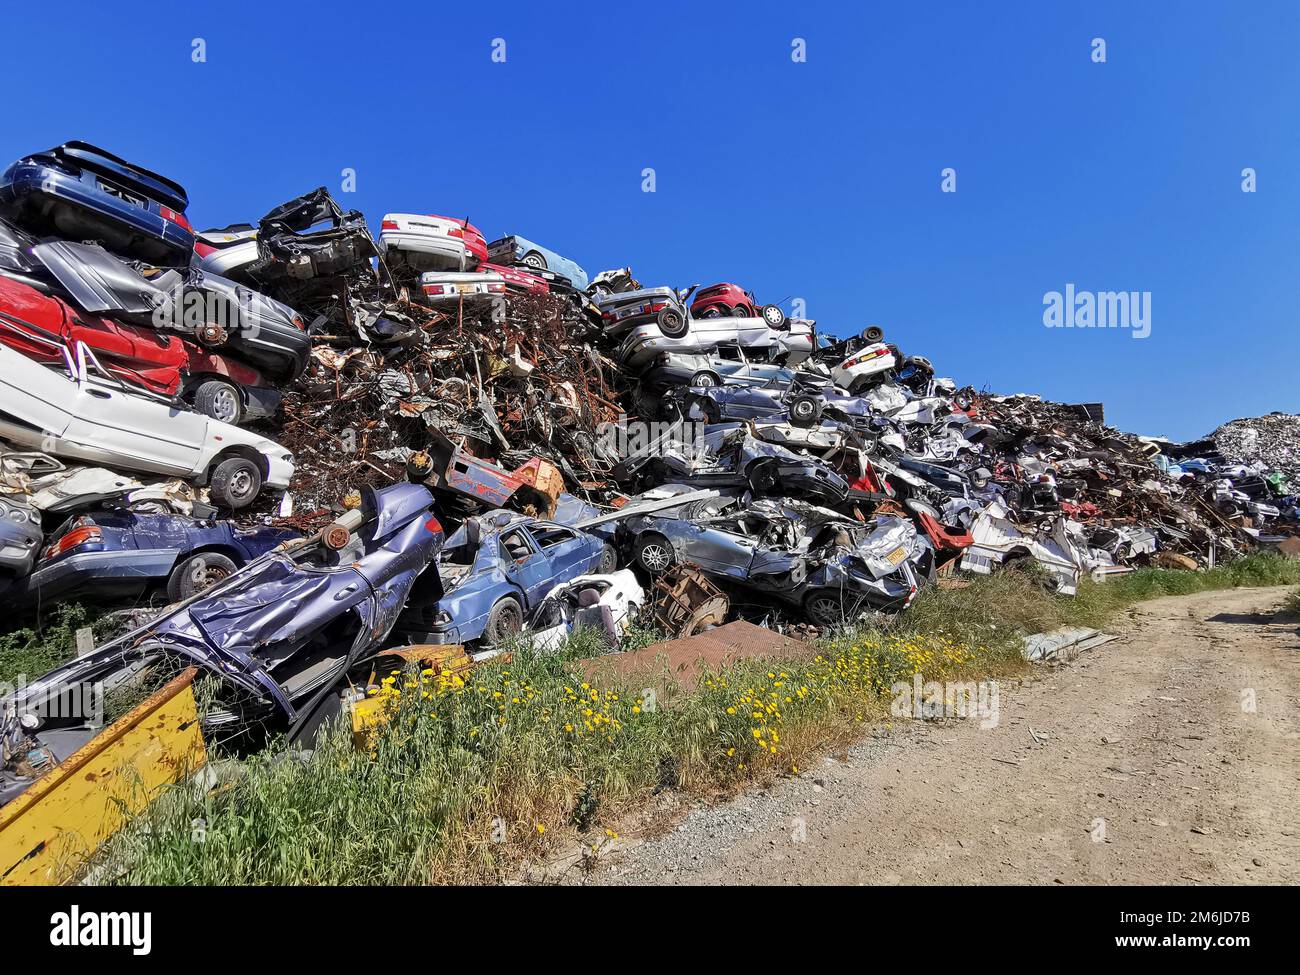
(403, 391)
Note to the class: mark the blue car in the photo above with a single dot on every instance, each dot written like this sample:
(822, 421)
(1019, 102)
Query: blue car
(77, 191)
(111, 553)
(538, 259)
(497, 568)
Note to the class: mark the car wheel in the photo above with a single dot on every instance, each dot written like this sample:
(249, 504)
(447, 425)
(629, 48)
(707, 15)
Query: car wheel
(654, 554)
(762, 476)
(710, 410)
(773, 316)
(804, 410)
(859, 386)
(873, 334)
(672, 323)
(705, 380)
(220, 400)
(197, 574)
(824, 607)
(740, 311)
(608, 559)
(504, 621)
(713, 311)
(235, 483)
(535, 260)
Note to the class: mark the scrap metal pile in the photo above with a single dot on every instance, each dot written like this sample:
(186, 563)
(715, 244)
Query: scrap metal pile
(301, 444)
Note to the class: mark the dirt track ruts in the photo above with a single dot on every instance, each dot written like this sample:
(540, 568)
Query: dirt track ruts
(1149, 770)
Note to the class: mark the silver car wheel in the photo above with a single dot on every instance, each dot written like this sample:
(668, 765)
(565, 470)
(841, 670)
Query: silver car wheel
(825, 610)
(225, 404)
(655, 557)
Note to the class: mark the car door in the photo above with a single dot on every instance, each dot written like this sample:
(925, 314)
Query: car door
(35, 402)
(719, 545)
(114, 426)
(568, 553)
(525, 565)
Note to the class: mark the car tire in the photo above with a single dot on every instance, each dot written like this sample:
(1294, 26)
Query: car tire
(235, 483)
(713, 311)
(535, 260)
(740, 311)
(773, 316)
(873, 334)
(762, 476)
(805, 411)
(653, 553)
(198, 573)
(220, 400)
(672, 323)
(608, 559)
(710, 410)
(860, 385)
(705, 380)
(824, 607)
(504, 621)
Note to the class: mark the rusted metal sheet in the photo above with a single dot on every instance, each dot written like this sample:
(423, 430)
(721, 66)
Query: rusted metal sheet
(679, 663)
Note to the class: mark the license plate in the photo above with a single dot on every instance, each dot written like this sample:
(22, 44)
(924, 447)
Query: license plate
(465, 289)
(896, 556)
(123, 195)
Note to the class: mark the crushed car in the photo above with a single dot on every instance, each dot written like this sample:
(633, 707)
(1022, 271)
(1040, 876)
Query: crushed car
(495, 571)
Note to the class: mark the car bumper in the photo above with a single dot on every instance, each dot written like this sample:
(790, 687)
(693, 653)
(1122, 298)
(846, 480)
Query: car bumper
(454, 253)
(35, 182)
(279, 472)
(18, 546)
(97, 568)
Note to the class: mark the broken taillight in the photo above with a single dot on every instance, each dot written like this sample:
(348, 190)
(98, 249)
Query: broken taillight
(84, 535)
(388, 225)
(435, 289)
(167, 213)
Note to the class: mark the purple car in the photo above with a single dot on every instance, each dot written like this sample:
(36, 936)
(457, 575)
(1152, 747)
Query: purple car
(113, 553)
(77, 191)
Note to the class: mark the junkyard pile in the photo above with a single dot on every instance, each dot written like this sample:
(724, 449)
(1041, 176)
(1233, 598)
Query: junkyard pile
(304, 445)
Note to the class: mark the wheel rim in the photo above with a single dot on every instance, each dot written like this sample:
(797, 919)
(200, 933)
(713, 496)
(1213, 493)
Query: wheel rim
(803, 410)
(772, 315)
(703, 381)
(824, 610)
(532, 260)
(225, 404)
(655, 557)
(209, 577)
(241, 485)
(507, 623)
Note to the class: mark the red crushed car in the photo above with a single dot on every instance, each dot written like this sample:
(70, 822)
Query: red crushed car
(517, 280)
(40, 326)
(724, 301)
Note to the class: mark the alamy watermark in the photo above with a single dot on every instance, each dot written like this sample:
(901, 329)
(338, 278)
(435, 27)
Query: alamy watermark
(1098, 309)
(930, 700)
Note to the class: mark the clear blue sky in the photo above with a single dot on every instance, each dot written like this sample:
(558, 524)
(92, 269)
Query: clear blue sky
(817, 179)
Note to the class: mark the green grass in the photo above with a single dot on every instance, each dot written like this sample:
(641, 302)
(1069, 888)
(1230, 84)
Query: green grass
(29, 653)
(520, 761)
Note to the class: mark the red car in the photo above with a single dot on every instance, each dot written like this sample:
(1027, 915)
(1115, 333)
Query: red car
(517, 280)
(724, 301)
(40, 326)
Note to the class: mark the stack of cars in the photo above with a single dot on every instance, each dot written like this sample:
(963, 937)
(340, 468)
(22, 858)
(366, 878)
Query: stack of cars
(313, 445)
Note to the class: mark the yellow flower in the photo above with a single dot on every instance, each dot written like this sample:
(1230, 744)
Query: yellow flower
(541, 828)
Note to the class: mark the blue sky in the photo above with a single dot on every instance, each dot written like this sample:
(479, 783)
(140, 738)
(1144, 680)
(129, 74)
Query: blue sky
(818, 179)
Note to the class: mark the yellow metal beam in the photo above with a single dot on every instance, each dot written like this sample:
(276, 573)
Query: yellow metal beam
(48, 831)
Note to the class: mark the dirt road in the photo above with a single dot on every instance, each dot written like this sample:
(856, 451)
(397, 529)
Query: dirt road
(1145, 764)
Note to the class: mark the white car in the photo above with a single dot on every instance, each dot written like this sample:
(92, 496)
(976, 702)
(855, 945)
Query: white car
(607, 602)
(82, 416)
(869, 365)
(793, 342)
(451, 286)
(427, 243)
(225, 251)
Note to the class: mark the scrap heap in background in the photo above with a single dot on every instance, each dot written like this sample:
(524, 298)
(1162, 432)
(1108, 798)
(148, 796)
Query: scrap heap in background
(497, 444)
